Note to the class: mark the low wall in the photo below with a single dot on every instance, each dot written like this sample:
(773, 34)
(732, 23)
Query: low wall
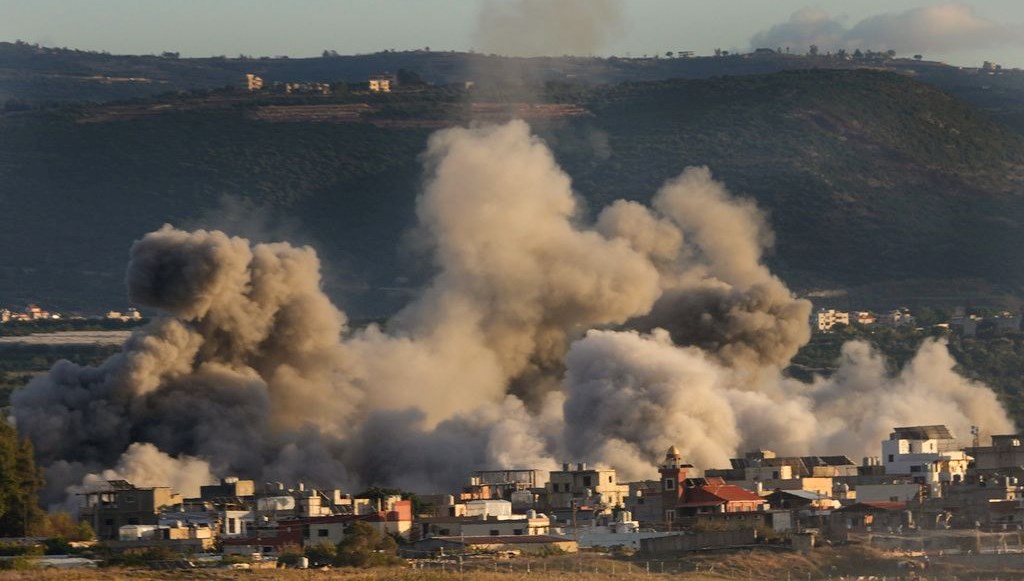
(696, 541)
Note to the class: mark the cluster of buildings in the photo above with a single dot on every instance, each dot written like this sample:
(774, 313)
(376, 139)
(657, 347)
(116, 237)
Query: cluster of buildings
(378, 83)
(967, 324)
(36, 313)
(234, 513)
(30, 313)
(825, 319)
(923, 480)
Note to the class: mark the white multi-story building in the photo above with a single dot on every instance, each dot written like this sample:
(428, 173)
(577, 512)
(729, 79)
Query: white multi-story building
(828, 318)
(927, 454)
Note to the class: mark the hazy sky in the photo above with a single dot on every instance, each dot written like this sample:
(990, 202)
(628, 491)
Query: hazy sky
(961, 33)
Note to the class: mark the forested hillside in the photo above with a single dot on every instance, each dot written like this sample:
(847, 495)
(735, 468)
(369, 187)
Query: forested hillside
(869, 178)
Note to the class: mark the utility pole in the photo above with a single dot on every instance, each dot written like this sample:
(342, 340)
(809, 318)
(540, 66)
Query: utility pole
(576, 535)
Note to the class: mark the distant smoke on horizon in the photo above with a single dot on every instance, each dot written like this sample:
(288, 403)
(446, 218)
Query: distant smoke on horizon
(529, 28)
(939, 28)
(541, 338)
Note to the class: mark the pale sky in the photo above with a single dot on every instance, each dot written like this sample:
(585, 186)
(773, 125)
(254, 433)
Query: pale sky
(307, 27)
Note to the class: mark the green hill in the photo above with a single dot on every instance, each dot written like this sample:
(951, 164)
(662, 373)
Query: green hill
(871, 179)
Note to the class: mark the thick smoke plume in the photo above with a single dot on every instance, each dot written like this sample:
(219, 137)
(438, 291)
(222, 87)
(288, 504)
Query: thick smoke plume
(943, 27)
(541, 338)
(541, 28)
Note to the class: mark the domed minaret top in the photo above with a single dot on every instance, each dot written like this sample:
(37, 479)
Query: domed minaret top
(673, 458)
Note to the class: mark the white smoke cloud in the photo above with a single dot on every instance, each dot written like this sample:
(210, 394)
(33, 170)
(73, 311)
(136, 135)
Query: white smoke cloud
(631, 396)
(543, 28)
(541, 338)
(942, 27)
(144, 465)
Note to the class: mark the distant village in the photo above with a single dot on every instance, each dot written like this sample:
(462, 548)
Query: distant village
(378, 83)
(36, 313)
(961, 321)
(926, 491)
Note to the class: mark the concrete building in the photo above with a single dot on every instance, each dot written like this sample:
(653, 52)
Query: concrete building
(395, 517)
(514, 525)
(619, 530)
(235, 523)
(800, 500)
(766, 465)
(177, 536)
(644, 501)
(990, 503)
(120, 503)
(865, 517)
(230, 487)
(1005, 454)
(927, 455)
(381, 83)
(825, 319)
(253, 82)
(900, 317)
(502, 484)
(910, 493)
(591, 487)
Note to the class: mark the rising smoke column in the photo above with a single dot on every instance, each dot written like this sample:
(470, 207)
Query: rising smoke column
(541, 28)
(516, 277)
(719, 295)
(540, 337)
(248, 366)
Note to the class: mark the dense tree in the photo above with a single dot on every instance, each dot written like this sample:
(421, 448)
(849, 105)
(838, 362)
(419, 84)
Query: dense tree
(20, 482)
(365, 546)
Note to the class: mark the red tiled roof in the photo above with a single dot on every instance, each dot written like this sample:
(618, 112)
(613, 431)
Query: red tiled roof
(732, 493)
(711, 495)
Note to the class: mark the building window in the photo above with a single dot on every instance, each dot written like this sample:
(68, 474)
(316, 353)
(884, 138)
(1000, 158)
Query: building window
(586, 481)
(892, 458)
(517, 532)
(231, 526)
(495, 532)
(894, 499)
(915, 468)
(268, 549)
(670, 484)
(609, 480)
(321, 532)
(670, 516)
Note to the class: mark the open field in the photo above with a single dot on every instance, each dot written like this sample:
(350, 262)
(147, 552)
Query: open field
(850, 562)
